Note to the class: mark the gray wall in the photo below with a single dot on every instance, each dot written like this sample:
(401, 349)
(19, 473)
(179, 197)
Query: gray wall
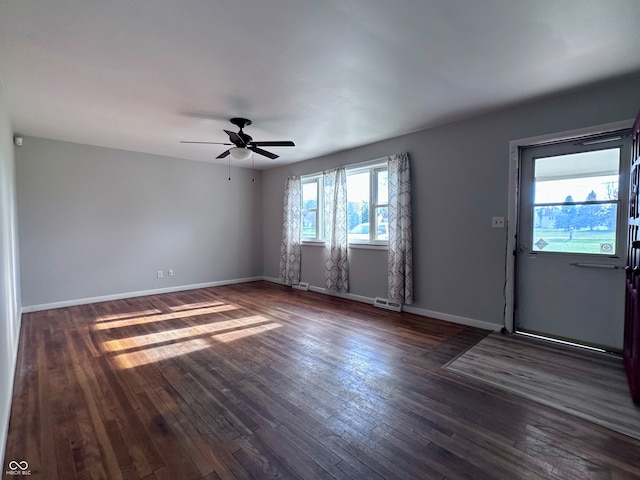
(9, 279)
(97, 222)
(459, 181)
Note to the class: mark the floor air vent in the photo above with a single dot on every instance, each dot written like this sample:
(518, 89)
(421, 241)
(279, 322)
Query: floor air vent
(301, 286)
(384, 303)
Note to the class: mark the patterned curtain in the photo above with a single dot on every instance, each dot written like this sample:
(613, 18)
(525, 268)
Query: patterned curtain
(290, 252)
(335, 230)
(400, 280)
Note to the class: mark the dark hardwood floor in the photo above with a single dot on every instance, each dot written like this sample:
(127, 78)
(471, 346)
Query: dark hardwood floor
(261, 381)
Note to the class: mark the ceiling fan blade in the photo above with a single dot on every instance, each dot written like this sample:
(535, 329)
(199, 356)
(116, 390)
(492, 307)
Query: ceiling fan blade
(263, 152)
(225, 153)
(284, 143)
(208, 143)
(233, 136)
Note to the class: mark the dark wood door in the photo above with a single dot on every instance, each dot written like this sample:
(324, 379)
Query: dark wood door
(631, 346)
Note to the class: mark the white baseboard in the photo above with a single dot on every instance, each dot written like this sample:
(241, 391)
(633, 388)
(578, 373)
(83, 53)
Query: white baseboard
(348, 296)
(447, 317)
(471, 322)
(312, 288)
(120, 296)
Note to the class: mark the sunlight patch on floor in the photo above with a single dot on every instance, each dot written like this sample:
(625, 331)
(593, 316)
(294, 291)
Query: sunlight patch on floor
(174, 349)
(156, 354)
(216, 328)
(124, 316)
(245, 332)
(162, 317)
(197, 306)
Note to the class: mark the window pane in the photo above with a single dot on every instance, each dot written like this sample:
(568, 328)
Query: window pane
(560, 181)
(575, 228)
(382, 185)
(310, 196)
(358, 206)
(577, 175)
(382, 223)
(309, 223)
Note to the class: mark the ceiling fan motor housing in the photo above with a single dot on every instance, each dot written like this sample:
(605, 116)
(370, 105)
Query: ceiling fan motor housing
(241, 123)
(246, 139)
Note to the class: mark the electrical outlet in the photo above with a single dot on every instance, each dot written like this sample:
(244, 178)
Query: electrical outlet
(160, 275)
(170, 272)
(497, 222)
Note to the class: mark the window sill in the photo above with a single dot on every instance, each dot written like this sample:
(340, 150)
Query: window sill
(362, 246)
(312, 243)
(369, 246)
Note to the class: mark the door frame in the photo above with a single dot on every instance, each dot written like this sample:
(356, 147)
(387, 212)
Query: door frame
(515, 148)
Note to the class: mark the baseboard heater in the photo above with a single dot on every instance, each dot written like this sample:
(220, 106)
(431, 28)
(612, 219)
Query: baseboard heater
(304, 286)
(384, 303)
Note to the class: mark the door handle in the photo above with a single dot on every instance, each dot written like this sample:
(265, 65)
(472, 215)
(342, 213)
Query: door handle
(599, 265)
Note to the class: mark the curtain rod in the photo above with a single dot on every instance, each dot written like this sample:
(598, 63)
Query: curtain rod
(351, 166)
(367, 162)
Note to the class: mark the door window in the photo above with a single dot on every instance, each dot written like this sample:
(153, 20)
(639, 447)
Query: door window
(575, 203)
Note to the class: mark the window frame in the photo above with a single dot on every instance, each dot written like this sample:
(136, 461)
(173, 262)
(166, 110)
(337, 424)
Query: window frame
(319, 237)
(618, 202)
(373, 168)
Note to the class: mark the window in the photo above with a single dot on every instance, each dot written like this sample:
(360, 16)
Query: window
(367, 204)
(575, 207)
(311, 211)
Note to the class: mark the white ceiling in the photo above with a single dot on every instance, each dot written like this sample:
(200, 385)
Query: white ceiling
(328, 74)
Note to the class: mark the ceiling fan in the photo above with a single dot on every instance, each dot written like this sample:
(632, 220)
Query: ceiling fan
(244, 144)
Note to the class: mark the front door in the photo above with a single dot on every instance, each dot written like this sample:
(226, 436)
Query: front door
(571, 241)
(631, 350)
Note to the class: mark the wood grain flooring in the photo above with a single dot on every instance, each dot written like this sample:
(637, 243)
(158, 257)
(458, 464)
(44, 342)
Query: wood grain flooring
(259, 381)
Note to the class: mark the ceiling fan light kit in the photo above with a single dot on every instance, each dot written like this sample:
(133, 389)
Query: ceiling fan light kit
(240, 153)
